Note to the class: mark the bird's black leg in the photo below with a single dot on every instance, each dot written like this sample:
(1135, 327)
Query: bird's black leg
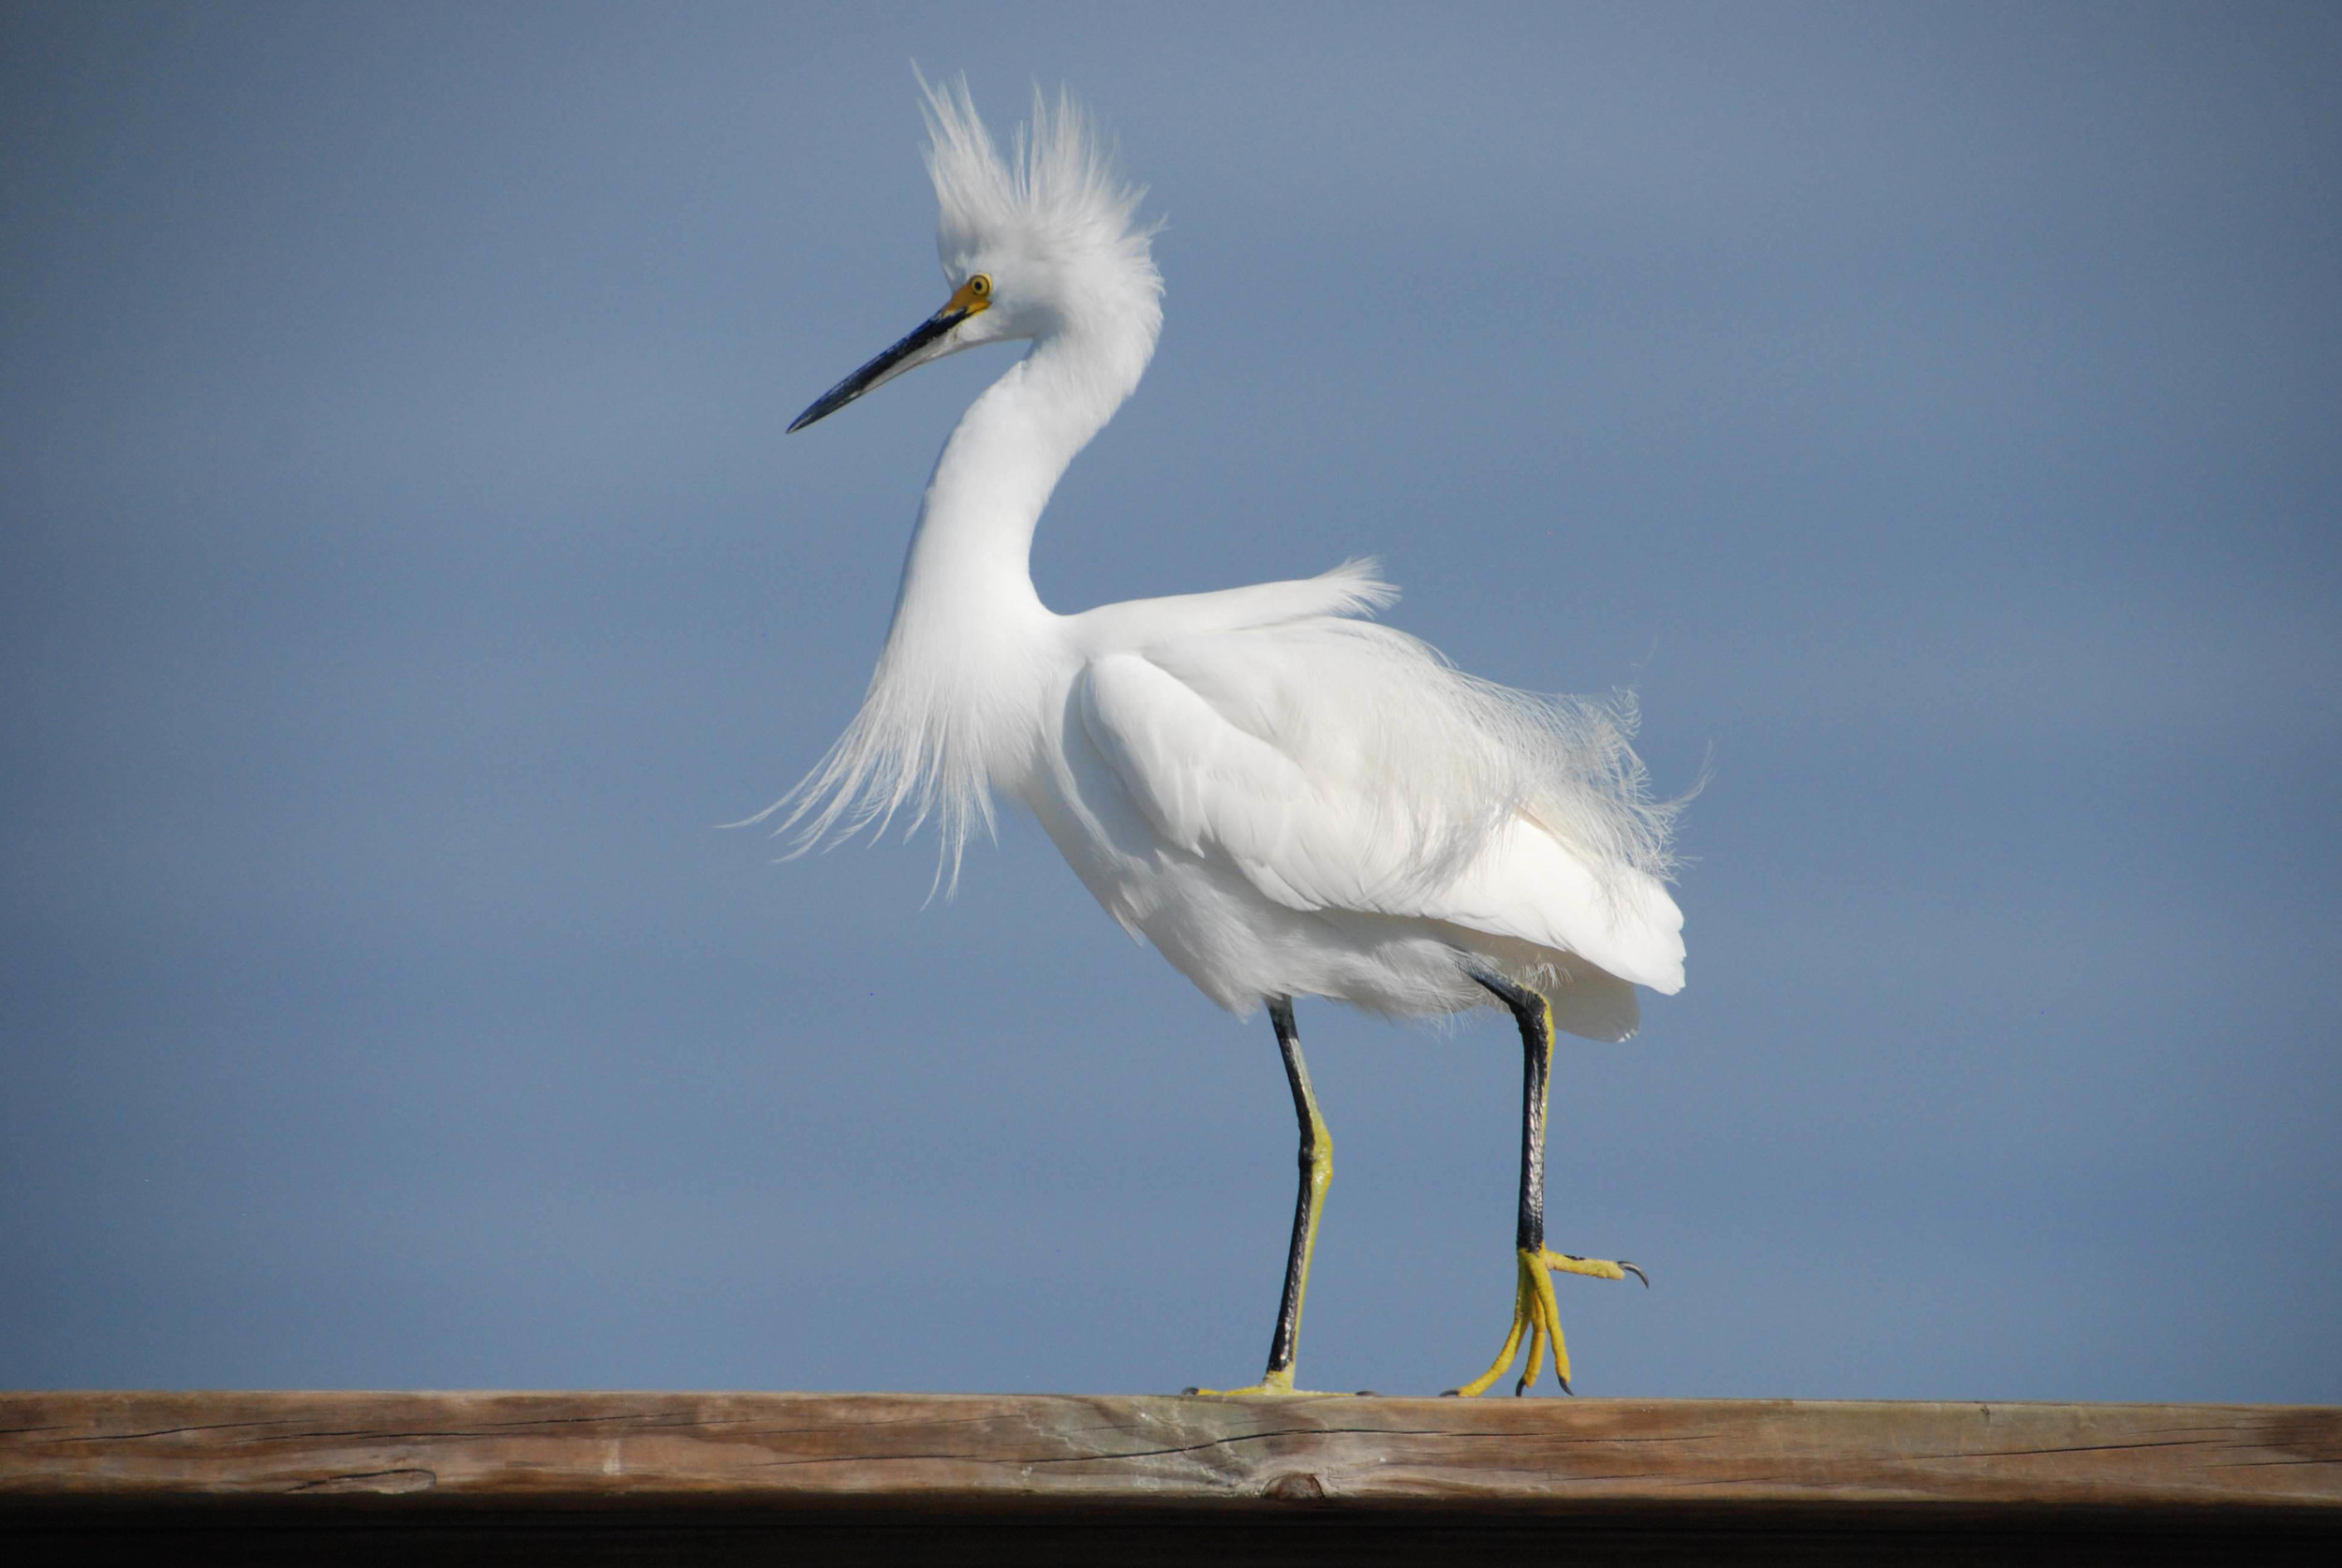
(1536, 1317)
(1317, 1174)
(1530, 1012)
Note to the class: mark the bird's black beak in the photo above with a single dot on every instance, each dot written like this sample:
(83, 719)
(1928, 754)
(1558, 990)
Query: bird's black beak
(925, 342)
(886, 365)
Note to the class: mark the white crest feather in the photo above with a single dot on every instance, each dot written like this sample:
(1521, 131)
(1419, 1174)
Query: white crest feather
(1059, 191)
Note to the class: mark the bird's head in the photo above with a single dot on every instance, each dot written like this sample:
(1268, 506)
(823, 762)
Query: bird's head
(1041, 243)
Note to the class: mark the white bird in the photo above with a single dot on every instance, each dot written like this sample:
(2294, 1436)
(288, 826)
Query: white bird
(1286, 799)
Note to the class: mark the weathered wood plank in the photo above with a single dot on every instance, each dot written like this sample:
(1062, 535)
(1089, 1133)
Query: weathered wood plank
(911, 1452)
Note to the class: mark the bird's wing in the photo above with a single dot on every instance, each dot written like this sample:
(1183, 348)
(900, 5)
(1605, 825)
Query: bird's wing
(1292, 755)
(1217, 791)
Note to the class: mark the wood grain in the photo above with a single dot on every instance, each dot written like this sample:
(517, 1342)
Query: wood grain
(910, 1452)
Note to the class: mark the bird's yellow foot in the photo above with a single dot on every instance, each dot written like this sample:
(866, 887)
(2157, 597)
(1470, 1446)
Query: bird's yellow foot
(1273, 1385)
(1276, 1386)
(1536, 1315)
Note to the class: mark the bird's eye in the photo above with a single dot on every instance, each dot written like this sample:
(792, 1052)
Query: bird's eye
(980, 285)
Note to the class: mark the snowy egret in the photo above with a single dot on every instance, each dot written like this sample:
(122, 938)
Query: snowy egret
(1286, 799)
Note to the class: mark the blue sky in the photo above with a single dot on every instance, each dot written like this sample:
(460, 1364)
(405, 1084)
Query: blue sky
(1928, 410)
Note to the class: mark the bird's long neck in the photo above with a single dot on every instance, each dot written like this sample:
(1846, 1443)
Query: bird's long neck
(955, 698)
(971, 552)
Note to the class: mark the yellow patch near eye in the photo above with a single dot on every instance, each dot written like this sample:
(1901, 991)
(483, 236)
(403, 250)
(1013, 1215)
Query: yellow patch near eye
(971, 296)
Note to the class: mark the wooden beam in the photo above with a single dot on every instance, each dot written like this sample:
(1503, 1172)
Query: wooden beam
(1632, 1471)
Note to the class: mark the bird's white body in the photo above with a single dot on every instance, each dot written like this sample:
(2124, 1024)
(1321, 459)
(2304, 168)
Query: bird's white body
(1283, 798)
(1237, 777)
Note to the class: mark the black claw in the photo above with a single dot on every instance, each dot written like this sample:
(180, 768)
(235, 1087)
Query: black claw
(1368, 1394)
(1520, 1389)
(1635, 1272)
(1564, 1383)
(1451, 1393)
(1191, 1391)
